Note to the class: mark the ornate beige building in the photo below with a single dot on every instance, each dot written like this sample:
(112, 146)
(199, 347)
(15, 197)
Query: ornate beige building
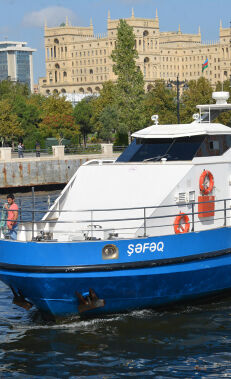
(77, 61)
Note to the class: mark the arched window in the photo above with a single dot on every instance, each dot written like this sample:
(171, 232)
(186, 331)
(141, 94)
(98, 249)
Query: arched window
(145, 33)
(57, 65)
(146, 60)
(81, 90)
(56, 40)
(89, 90)
(63, 90)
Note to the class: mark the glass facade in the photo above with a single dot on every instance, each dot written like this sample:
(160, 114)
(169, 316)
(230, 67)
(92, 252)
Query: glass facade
(3, 65)
(23, 67)
(4, 45)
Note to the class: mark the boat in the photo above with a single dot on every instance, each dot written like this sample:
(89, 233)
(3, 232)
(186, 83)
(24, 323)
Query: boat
(148, 229)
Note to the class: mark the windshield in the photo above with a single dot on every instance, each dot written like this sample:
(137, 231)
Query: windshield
(184, 148)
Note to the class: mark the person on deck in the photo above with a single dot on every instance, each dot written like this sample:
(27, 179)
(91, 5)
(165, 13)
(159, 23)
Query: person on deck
(12, 217)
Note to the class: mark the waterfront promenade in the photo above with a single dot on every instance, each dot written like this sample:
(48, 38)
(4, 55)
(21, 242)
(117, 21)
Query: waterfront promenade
(53, 169)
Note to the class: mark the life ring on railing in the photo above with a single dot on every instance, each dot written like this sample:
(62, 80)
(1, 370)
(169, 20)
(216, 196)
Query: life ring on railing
(204, 189)
(181, 219)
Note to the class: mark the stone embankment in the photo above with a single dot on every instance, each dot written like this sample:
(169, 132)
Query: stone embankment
(45, 170)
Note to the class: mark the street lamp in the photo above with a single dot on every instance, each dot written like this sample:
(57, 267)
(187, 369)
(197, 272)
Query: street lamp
(177, 83)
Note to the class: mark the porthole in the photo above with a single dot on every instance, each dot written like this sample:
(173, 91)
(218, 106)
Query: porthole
(110, 252)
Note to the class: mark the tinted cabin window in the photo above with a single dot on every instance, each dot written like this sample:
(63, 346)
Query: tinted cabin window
(184, 148)
(150, 150)
(181, 149)
(144, 149)
(214, 146)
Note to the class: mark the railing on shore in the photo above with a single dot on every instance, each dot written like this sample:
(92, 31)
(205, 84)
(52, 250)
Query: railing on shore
(7, 153)
(33, 152)
(78, 149)
(120, 223)
(89, 149)
(118, 149)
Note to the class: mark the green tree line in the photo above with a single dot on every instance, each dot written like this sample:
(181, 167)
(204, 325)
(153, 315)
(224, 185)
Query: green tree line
(120, 109)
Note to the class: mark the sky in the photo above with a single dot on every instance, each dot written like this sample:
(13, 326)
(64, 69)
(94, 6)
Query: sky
(23, 20)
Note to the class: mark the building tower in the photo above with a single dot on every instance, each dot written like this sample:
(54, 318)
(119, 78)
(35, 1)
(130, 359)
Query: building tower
(16, 63)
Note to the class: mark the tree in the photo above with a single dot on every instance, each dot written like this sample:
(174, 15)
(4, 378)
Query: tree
(9, 124)
(29, 117)
(161, 101)
(26, 106)
(57, 119)
(59, 126)
(10, 90)
(198, 92)
(82, 115)
(105, 99)
(129, 90)
(109, 121)
(55, 104)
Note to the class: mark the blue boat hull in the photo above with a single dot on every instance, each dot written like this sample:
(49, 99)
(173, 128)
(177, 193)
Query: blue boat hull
(185, 267)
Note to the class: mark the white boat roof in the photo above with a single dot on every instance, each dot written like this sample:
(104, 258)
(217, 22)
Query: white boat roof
(182, 130)
(214, 107)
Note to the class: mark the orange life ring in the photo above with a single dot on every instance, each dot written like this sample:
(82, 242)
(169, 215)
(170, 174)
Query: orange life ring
(178, 226)
(204, 189)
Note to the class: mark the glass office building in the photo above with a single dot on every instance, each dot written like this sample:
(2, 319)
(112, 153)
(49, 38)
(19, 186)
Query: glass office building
(16, 63)
(3, 65)
(23, 67)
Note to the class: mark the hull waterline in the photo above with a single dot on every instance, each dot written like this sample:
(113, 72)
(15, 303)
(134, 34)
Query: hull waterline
(179, 272)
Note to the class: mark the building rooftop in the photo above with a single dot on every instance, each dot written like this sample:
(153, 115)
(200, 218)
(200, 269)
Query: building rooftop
(15, 45)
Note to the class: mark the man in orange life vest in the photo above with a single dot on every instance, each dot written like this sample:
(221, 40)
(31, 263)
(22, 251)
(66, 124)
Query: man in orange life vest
(12, 217)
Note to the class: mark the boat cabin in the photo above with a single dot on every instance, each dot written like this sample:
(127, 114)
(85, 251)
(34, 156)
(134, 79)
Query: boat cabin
(182, 142)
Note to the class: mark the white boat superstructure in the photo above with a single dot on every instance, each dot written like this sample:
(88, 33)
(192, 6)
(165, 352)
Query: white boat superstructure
(130, 197)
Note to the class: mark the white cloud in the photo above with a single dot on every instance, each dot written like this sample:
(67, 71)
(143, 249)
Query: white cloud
(52, 15)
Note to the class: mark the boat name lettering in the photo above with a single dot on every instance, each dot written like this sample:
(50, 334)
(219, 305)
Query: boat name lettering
(141, 248)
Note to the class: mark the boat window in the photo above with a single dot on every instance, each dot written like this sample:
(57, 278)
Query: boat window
(129, 152)
(184, 148)
(214, 146)
(144, 149)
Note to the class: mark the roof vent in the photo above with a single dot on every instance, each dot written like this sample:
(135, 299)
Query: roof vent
(181, 198)
(220, 97)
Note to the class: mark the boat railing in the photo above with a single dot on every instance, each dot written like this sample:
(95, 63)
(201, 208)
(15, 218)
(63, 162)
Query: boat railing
(117, 223)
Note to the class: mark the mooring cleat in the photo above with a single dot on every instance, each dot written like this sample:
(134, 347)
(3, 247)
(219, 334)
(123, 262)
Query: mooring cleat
(88, 301)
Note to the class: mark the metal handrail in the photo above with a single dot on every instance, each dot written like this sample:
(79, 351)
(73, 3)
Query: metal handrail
(130, 208)
(93, 222)
(117, 228)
